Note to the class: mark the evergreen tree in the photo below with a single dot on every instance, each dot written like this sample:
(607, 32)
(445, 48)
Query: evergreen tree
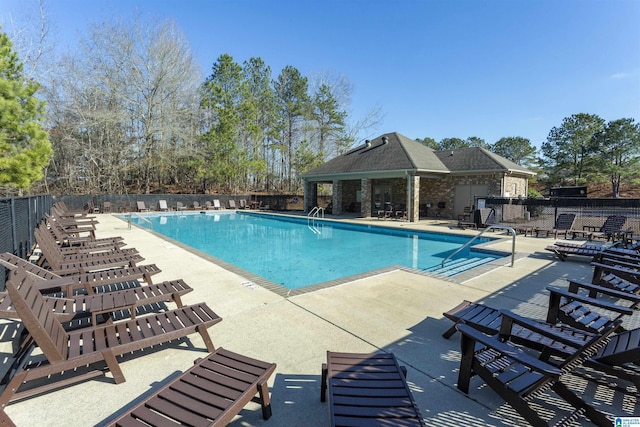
(569, 148)
(619, 152)
(24, 145)
(515, 148)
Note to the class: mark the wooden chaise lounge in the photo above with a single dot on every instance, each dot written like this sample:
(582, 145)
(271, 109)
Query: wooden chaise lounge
(103, 303)
(64, 265)
(520, 378)
(64, 351)
(562, 226)
(211, 393)
(568, 327)
(368, 389)
(87, 282)
(566, 306)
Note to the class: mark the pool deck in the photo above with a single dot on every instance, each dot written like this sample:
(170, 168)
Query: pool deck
(396, 311)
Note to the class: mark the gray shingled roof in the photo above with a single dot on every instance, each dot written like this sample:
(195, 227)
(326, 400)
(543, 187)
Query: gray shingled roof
(401, 154)
(476, 159)
(398, 154)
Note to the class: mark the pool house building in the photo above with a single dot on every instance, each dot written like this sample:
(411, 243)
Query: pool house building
(398, 173)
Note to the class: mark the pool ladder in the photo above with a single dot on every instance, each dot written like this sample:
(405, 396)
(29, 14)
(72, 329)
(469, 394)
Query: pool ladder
(311, 218)
(138, 216)
(491, 227)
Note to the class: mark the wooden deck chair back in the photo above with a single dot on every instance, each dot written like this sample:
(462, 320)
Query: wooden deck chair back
(37, 316)
(11, 262)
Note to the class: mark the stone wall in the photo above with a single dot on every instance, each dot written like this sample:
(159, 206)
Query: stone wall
(435, 191)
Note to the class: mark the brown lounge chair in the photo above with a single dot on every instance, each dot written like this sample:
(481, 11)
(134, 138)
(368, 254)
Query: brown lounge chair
(87, 282)
(563, 225)
(519, 377)
(368, 390)
(211, 393)
(82, 263)
(94, 304)
(65, 351)
(565, 306)
(569, 325)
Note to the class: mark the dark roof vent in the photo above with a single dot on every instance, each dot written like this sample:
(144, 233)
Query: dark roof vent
(367, 143)
(385, 139)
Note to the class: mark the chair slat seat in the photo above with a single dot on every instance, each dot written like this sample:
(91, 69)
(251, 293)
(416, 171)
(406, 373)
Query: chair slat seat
(367, 389)
(208, 394)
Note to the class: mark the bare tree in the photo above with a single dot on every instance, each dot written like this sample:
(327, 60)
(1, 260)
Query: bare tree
(130, 101)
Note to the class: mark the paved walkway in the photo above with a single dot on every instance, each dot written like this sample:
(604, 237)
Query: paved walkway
(396, 311)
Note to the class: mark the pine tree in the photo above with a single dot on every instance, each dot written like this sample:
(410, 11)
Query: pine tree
(24, 144)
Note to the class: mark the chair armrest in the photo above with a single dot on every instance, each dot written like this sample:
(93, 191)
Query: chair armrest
(591, 301)
(510, 351)
(546, 329)
(574, 285)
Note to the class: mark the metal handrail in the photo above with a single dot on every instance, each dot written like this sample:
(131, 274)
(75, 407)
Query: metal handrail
(315, 211)
(494, 227)
(138, 216)
(311, 216)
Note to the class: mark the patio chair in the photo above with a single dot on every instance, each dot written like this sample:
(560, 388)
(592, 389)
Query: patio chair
(563, 224)
(611, 228)
(84, 245)
(368, 389)
(616, 275)
(65, 351)
(196, 206)
(106, 207)
(48, 245)
(563, 251)
(232, 204)
(565, 306)
(387, 212)
(180, 206)
(519, 377)
(70, 238)
(162, 206)
(85, 282)
(141, 206)
(76, 306)
(465, 215)
(216, 204)
(62, 265)
(72, 220)
(211, 393)
(86, 231)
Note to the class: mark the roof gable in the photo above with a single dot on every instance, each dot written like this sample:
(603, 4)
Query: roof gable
(388, 152)
(393, 152)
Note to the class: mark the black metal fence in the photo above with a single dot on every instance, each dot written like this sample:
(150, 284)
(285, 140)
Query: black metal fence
(18, 217)
(543, 212)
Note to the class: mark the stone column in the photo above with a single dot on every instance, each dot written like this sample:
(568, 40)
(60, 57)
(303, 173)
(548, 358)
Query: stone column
(413, 188)
(310, 195)
(365, 205)
(337, 197)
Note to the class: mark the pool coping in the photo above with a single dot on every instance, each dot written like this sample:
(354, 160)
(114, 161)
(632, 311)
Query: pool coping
(253, 279)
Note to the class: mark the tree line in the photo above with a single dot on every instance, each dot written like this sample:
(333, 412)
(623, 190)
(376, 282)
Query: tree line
(129, 111)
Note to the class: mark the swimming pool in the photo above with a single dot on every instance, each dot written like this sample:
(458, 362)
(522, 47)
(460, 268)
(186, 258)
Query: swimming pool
(293, 252)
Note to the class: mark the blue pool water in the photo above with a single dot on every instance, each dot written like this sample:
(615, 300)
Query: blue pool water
(294, 253)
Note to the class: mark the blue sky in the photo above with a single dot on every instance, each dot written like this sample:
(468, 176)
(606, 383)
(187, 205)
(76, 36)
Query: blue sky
(443, 68)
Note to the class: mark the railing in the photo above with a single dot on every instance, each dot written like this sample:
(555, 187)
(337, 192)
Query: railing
(138, 216)
(311, 218)
(491, 227)
(315, 212)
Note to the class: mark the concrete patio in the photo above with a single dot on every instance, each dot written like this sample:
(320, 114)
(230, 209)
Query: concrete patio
(396, 311)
